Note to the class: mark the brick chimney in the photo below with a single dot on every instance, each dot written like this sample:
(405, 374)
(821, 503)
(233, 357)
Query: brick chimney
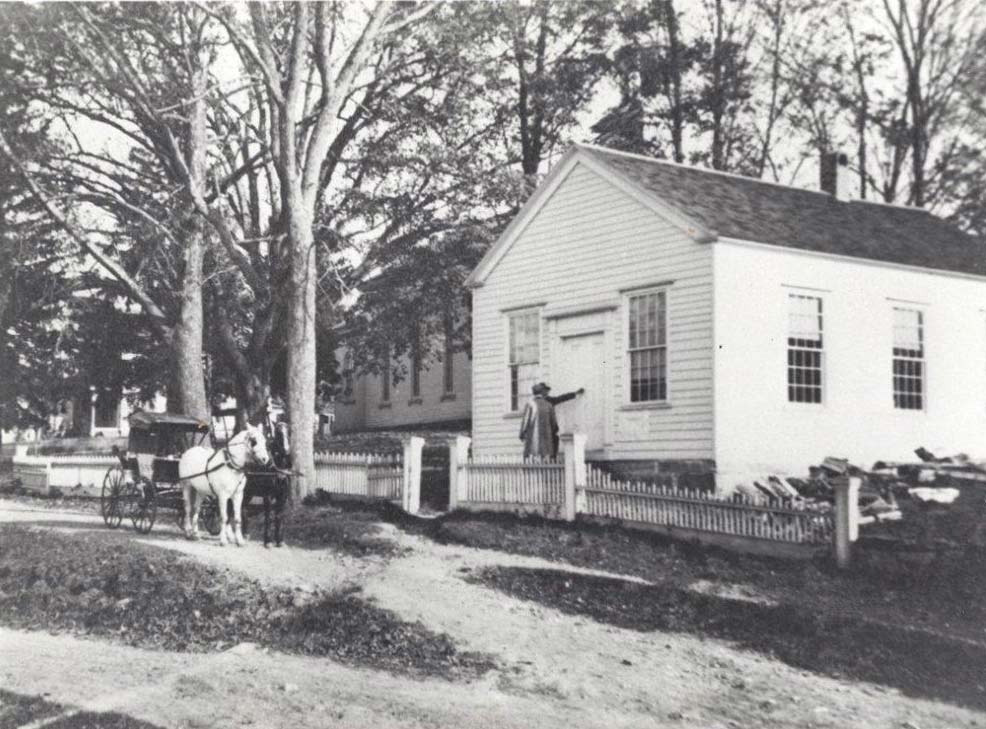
(828, 171)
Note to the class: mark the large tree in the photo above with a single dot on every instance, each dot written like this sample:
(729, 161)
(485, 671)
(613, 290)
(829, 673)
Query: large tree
(314, 62)
(686, 77)
(548, 58)
(123, 82)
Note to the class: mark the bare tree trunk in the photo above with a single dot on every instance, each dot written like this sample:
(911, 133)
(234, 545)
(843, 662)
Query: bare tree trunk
(863, 105)
(675, 81)
(301, 348)
(718, 90)
(919, 139)
(186, 393)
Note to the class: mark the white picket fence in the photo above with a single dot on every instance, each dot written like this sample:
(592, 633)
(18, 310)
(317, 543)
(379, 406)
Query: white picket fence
(573, 487)
(363, 475)
(742, 516)
(390, 477)
(522, 482)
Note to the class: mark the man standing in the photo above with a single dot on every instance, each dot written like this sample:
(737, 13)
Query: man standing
(538, 424)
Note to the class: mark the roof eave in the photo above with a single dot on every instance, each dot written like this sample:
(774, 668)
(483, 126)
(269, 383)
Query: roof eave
(860, 260)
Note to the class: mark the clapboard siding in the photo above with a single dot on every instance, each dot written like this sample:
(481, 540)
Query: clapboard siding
(589, 243)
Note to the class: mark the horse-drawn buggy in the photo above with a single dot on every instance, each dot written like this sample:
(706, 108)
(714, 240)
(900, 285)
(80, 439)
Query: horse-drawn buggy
(169, 464)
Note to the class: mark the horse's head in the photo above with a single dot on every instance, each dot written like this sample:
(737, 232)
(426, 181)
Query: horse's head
(258, 444)
(250, 445)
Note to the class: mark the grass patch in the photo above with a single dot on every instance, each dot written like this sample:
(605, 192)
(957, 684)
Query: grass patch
(153, 598)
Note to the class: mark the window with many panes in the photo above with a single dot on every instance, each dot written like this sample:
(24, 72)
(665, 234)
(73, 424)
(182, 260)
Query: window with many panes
(908, 359)
(804, 348)
(524, 357)
(647, 346)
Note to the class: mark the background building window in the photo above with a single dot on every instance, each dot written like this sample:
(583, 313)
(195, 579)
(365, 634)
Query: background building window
(908, 359)
(524, 356)
(107, 410)
(347, 376)
(804, 349)
(385, 378)
(647, 328)
(448, 373)
(416, 363)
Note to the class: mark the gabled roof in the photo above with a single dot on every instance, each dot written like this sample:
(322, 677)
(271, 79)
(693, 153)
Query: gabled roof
(716, 204)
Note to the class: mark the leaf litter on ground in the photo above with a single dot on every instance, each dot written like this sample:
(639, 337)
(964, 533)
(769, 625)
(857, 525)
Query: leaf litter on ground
(149, 597)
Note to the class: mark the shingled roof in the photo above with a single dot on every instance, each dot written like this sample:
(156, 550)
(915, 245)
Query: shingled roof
(740, 207)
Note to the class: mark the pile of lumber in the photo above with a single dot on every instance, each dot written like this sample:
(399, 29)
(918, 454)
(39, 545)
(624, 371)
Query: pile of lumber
(929, 481)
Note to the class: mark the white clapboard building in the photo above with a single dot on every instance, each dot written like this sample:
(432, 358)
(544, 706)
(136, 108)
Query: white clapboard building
(741, 325)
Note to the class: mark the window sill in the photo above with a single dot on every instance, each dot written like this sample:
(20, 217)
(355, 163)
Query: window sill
(630, 407)
(804, 408)
(513, 415)
(414, 401)
(448, 396)
(384, 406)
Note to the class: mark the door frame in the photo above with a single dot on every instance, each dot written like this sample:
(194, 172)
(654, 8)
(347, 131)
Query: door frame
(571, 327)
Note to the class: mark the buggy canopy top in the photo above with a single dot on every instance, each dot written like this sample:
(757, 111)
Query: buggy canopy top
(174, 422)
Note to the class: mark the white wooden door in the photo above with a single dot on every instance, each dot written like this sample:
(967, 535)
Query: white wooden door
(580, 361)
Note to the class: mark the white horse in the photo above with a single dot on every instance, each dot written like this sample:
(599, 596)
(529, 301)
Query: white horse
(220, 473)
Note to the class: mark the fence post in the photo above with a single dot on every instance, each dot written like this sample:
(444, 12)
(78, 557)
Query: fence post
(573, 445)
(411, 493)
(458, 456)
(846, 517)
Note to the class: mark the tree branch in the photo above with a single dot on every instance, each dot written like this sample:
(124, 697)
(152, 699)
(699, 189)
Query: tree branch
(157, 316)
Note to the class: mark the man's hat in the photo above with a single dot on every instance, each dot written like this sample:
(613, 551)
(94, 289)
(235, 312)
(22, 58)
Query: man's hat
(540, 387)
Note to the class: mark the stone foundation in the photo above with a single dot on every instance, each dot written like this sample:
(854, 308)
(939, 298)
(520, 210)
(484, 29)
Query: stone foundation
(687, 474)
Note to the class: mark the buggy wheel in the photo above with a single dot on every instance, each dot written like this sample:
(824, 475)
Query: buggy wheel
(209, 515)
(110, 505)
(143, 505)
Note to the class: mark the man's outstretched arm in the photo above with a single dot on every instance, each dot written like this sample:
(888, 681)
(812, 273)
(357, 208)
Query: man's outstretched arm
(558, 399)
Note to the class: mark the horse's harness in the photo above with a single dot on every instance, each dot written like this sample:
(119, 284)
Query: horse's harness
(227, 463)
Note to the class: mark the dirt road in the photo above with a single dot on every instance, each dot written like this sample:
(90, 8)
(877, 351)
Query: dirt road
(557, 670)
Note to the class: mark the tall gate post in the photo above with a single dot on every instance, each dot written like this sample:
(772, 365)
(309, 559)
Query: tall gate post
(573, 445)
(846, 518)
(458, 456)
(411, 493)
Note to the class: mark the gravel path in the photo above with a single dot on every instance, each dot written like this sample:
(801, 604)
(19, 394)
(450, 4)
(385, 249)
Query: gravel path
(557, 670)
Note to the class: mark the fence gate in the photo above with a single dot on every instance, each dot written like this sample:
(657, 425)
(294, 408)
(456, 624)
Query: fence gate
(435, 477)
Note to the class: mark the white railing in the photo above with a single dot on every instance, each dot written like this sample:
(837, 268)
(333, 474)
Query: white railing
(41, 473)
(80, 470)
(792, 521)
(361, 475)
